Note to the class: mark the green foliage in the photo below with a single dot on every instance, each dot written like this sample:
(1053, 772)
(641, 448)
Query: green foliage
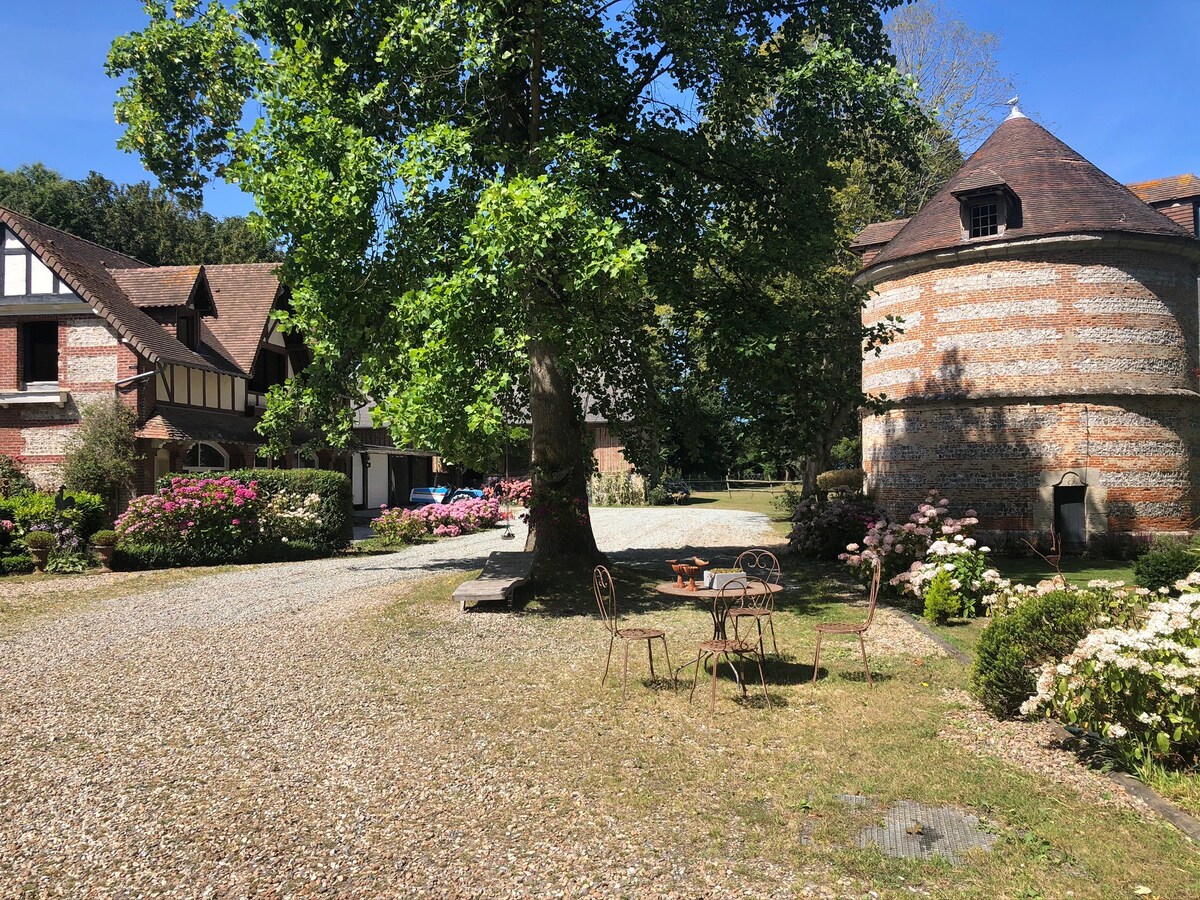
(12, 479)
(941, 600)
(336, 507)
(1013, 648)
(847, 453)
(35, 508)
(69, 562)
(135, 556)
(1166, 562)
(104, 538)
(618, 489)
(16, 564)
(659, 496)
(136, 219)
(102, 456)
(39, 540)
(788, 500)
(823, 529)
(842, 480)
(495, 241)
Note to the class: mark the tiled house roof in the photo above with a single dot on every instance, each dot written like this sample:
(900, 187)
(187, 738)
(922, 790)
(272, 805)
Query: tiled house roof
(88, 269)
(1059, 191)
(244, 295)
(1161, 190)
(877, 233)
(165, 286)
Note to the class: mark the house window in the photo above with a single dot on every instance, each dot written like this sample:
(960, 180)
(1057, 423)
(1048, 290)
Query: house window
(271, 369)
(205, 457)
(39, 352)
(184, 331)
(985, 219)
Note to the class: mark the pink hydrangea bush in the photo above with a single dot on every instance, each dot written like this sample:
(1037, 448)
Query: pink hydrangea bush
(213, 513)
(514, 491)
(407, 526)
(903, 548)
(1138, 685)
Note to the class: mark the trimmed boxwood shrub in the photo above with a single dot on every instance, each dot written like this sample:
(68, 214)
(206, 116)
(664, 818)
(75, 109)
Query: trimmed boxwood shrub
(842, 480)
(132, 556)
(1012, 649)
(337, 502)
(1164, 564)
(17, 564)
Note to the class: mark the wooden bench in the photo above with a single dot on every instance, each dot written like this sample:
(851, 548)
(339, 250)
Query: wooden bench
(503, 573)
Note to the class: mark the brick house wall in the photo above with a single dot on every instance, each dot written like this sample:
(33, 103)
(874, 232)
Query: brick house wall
(1018, 369)
(91, 358)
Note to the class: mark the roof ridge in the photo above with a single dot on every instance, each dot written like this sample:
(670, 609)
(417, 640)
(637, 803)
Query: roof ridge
(12, 212)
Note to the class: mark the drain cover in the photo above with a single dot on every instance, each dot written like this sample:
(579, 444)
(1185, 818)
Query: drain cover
(917, 831)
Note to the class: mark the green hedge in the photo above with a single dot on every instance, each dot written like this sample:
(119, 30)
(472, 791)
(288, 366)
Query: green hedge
(17, 564)
(134, 557)
(1163, 564)
(337, 500)
(1013, 648)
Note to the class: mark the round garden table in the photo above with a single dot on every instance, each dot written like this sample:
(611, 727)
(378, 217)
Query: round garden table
(753, 590)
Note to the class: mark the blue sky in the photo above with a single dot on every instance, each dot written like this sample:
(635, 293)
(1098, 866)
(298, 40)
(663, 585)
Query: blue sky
(1117, 81)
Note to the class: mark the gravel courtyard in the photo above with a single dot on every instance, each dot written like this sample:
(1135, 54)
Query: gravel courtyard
(227, 736)
(338, 728)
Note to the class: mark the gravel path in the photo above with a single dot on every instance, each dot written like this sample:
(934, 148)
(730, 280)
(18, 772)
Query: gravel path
(229, 736)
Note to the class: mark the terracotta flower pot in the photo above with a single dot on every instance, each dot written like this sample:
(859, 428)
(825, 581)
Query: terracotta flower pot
(41, 556)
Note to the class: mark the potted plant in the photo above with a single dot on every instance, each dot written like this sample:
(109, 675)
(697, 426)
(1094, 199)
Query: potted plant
(39, 544)
(105, 543)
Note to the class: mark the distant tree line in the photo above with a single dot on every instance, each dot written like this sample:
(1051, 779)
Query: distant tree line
(138, 220)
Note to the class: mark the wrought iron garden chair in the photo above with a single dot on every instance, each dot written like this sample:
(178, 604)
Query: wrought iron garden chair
(857, 629)
(721, 645)
(606, 600)
(759, 565)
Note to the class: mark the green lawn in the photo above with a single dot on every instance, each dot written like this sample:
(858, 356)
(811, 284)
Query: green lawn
(748, 500)
(1077, 570)
(754, 794)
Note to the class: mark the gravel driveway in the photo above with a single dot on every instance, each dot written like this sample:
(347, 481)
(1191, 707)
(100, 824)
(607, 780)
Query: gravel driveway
(227, 737)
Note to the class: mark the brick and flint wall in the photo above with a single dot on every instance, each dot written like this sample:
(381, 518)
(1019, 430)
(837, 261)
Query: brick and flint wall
(1019, 368)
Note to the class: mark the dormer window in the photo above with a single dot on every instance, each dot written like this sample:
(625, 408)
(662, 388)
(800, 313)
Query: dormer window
(984, 219)
(989, 207)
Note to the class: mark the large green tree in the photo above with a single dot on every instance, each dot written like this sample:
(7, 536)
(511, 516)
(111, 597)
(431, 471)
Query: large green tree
(136, 219)
(481, 202)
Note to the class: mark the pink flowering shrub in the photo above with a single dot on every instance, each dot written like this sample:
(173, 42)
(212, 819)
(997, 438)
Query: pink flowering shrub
(509, 490)
(210, 514)
(407, 526)
(903, 548)
(1138, 686)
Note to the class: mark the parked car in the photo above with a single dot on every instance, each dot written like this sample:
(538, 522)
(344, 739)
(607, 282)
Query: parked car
(423, 496)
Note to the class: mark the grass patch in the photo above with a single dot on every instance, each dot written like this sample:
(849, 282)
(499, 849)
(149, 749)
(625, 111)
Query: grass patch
(754, 792)
(1077, 570)
(755, 501)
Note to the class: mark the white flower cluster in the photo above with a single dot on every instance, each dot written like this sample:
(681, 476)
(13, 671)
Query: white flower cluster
(1141, 682)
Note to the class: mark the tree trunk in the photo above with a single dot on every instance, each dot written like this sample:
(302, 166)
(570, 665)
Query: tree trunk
(563, 538)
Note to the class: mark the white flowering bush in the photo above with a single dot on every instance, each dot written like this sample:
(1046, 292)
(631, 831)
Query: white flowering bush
(1138, 686)
(292, 517)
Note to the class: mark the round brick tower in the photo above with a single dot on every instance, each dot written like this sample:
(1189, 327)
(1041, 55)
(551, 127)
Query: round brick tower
(1046, 375)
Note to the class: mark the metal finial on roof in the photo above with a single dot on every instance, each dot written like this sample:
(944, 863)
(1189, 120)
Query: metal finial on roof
(1015, 113)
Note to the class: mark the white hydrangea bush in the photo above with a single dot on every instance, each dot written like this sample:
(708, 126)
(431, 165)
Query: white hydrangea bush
(1137, 685)
(292, 517)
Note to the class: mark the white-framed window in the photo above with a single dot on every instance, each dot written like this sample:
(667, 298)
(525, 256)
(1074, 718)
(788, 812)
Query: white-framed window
(264, 460)
(205, 457)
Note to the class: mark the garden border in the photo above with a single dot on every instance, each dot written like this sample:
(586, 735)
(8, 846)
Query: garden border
(1188, 824)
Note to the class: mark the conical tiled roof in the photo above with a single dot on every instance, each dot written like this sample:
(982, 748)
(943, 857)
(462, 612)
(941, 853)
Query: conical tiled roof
(1060, 192)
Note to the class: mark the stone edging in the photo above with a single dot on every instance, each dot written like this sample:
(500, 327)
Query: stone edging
(1189, 825)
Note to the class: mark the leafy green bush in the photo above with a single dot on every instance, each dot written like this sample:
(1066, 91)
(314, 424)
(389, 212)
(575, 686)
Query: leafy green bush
(17, 564)
(823, 530)
(787, 501)
(68, 562)
(1012, 649)
(135, 556)
(1163, 564)
(102, 456)
(12, 479)
(617, 489)
(842, 480)
(33, 508)
(941, 600)
(659, 496)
